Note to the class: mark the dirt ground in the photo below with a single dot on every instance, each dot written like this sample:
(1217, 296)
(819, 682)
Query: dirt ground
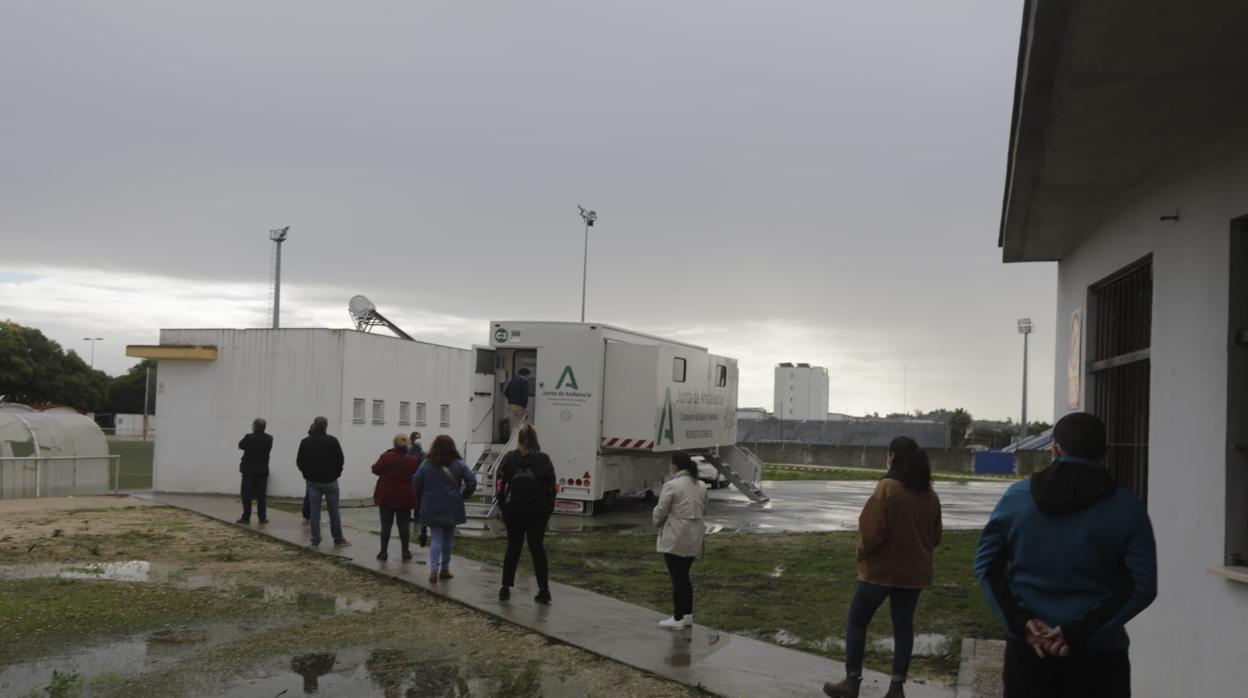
(114, 597)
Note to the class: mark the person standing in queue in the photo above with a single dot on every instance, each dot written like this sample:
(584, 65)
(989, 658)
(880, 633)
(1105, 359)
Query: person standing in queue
(899, 529)
(416, 450)
(320, 460)
(394, 495)
(517, 394)
(254, 468)
(443, 481)
(525, 491)
(682, 534)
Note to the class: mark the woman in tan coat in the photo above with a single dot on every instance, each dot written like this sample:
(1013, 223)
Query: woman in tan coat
(678, 515)
(898, 529)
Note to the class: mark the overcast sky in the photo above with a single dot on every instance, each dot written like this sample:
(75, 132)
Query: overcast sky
(779, 181)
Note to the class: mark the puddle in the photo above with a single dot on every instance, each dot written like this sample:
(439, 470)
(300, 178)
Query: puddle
(142, 571)
(401, 672)
(137, 653)
(925, 644)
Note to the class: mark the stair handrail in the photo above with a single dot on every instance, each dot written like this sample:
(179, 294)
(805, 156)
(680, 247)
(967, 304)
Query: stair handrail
(513, 441)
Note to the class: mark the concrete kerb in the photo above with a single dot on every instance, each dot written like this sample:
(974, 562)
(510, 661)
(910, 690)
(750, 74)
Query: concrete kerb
(704, 658)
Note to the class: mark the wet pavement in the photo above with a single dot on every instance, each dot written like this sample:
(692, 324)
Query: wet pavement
(719, 662)
(795, 506)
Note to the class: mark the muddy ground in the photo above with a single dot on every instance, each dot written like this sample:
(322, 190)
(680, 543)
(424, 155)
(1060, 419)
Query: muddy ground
(112, 597)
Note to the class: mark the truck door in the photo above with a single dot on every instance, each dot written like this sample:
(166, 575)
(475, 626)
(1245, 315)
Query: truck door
(527, 358)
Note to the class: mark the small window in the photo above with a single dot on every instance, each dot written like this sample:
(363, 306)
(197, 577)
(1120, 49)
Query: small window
(420, 414)
(379, 411)
(405, 413)
(678, 370)
(357, 410)
(721, 376)
(445, 418)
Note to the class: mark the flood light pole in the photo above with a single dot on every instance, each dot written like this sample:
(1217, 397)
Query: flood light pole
(278, 236)
(1024, 328)
(93, 340)
(589, 217)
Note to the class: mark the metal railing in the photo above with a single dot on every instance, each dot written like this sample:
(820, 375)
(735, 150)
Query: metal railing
(60, 476)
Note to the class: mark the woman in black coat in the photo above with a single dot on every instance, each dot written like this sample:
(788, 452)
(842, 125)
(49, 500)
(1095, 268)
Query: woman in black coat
(525, 490)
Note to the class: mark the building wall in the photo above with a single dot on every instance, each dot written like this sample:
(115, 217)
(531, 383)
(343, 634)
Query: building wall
(377, 367)
(1191, 641)
(288, 377)
(801, 393)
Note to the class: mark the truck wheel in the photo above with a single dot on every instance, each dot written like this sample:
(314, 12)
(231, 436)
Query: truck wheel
(648, 496)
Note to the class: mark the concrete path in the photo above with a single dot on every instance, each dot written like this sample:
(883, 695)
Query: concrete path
(980, 673)
(718, 662)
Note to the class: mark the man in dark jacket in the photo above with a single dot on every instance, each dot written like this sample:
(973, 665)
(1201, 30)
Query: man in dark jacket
(517, 394)
(254, 467)
(320, 460)
(1067, 558)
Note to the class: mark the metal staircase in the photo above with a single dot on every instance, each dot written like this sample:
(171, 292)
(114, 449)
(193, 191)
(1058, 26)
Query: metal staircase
(483, 506)
(742, 468)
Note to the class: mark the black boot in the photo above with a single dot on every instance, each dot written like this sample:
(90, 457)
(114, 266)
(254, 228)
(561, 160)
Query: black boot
(383, 555)
(543, 596)
(504, 593)
(845, 689)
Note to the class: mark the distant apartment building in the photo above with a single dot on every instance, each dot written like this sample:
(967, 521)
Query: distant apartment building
(801, 392)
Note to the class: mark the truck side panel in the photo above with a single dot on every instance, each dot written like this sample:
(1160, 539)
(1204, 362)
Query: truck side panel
(628, 421)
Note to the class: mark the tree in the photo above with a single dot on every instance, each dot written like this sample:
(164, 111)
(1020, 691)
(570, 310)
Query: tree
(125, 394)
(35, 370)
(959, 425)
(1038, 428)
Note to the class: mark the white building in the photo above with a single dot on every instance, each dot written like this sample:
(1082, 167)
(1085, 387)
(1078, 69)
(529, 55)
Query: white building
(1128, 166)
(801, 392)
(213, 383)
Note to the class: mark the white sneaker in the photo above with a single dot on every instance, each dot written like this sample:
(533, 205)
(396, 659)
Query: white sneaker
(687, 620)
(672, 624)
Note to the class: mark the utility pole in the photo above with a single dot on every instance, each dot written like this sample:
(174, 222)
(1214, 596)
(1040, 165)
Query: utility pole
(93, 340)
(1024, 328)
(589, 217)
(278, 236)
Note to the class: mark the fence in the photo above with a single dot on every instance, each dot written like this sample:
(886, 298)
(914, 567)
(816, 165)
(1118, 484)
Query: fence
(63, 476)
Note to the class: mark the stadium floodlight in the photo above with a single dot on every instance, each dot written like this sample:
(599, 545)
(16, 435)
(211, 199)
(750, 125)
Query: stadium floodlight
(589, 217)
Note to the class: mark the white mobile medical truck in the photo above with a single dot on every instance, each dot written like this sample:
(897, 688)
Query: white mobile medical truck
(609, 406)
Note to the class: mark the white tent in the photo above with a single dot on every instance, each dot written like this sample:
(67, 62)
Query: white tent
(50, 453)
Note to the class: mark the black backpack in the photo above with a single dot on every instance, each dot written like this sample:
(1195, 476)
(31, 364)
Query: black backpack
(524, 493)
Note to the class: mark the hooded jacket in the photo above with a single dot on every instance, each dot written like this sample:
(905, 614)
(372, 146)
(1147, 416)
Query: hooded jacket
(1070, 548)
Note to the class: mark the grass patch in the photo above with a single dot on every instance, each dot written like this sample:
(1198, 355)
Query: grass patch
(135, 463)
(45, 613)
(790, 586)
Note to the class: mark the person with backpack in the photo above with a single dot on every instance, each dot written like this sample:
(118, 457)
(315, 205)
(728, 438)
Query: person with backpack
(898, 530)
(525, 492)
(443, 481)
(394, 495)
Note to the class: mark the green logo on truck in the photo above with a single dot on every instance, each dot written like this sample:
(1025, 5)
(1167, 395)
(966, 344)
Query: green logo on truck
(567, 378)
(501, 335)
(667, 424)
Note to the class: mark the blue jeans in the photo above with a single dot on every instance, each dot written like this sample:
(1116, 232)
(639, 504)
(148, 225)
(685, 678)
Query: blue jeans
(329, 490)
(442, 541)
(867, 599)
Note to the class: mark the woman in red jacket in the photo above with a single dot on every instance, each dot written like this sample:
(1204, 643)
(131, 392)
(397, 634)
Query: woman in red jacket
(394, 494)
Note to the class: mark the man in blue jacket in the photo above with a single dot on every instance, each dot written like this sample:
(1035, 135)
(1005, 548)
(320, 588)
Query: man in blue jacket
(1067, 558)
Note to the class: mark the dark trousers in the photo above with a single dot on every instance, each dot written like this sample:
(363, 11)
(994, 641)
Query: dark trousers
(306, 507)
(682, 586)
(388, 517)
(255, 487)
(867, 600)
(1084, 674)
(521, 526)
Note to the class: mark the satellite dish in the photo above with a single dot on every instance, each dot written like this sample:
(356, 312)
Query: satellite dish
(359, 305)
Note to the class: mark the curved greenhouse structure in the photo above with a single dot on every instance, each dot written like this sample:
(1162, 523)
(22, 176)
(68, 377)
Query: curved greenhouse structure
(50, 453)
